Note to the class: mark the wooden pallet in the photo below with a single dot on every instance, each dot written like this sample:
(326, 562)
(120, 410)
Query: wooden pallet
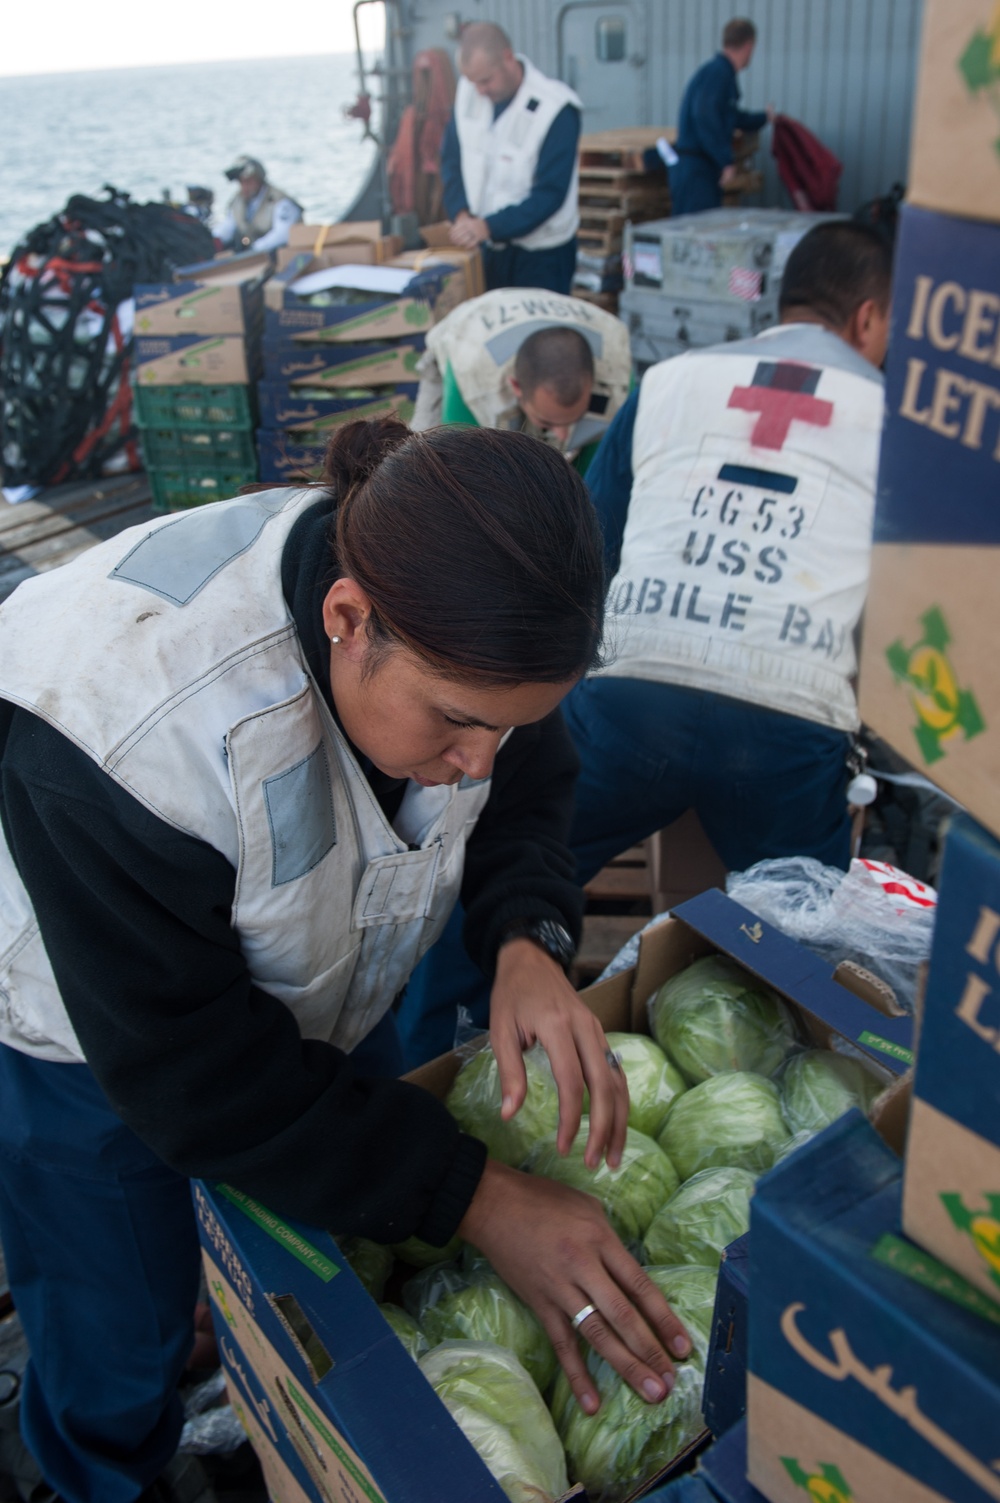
(621, 148)
(66, 520)
(619, 904)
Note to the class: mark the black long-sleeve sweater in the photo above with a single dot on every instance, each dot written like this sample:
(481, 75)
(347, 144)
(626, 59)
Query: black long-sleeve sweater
(209, 1069)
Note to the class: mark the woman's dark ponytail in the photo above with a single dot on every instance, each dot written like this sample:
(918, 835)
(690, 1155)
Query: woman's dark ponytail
(357, 449)
(479, 549)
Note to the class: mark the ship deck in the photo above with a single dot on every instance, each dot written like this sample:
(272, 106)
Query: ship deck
(65, 520)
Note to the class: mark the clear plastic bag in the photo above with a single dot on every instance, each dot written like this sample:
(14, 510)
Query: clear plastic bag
(714, 1016)
(501, 1413)
(631, 1194)
(872, 914)
(475, 1098)
(406, 1329)
(371, 1262)
(628, 1441)
(454, 1305)
(818, 1086)
(211, 1427)
(732, 1120)
(653, 1082)
(709, 1211)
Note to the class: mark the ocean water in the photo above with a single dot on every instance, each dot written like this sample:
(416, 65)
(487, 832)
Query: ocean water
(146, 129)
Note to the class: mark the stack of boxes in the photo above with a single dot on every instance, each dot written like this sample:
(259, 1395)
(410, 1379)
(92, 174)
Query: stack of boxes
(705, 279)
(343, 338)
(874, 1313)
(197, 351)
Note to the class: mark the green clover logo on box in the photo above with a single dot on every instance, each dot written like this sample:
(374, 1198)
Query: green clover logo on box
(825, 1485)
(943, 709)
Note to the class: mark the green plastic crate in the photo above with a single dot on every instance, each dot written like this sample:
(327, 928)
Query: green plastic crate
(198, 407)
(170, 448)
(177, 489)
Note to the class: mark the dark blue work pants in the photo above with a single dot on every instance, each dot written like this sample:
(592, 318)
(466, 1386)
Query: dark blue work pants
(513, 266)
(763, 784)
(694, 185)
(102, 1258)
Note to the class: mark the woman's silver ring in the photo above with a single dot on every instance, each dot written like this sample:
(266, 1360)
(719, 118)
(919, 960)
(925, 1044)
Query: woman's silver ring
(614, 1063)
(582, 1315)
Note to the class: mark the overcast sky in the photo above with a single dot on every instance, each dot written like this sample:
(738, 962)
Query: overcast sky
(67, 36)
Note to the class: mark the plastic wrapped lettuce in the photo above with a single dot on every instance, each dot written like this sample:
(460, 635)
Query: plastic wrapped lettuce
(715, 1016)
(708, 1212)
(631, 1194)
(474, 1102)
(406, 1328)
(452, 1305)
(627, 1441)
(370, 1260)
(819, 1086)
(420, 1254)
(501, 1413)
(732, 1119)
(653, 1082)
(689, 1290)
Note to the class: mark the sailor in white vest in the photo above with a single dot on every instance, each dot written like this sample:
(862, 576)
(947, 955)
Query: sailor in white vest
(259, 215)
(736, 491)
(509, 164)
(250, 755)
(552, 366)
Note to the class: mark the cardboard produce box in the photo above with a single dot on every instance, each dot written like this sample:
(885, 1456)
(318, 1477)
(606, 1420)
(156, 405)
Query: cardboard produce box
(864, 1384)
(724, 1469)
(725, 1398)
(349, 365)
(469, 281)
(182, 359)
(955, 146)
(335, 1408)
(230, 304)
(951, 1202)
(928, 682)
(287, 407)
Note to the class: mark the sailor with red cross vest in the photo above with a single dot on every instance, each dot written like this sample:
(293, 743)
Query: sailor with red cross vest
(736, 490)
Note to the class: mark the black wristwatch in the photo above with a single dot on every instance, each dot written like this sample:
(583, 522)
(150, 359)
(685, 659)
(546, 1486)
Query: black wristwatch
(551, 937)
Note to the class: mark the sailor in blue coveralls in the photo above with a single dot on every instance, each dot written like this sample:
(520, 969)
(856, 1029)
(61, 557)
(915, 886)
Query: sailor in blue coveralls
(710, 113)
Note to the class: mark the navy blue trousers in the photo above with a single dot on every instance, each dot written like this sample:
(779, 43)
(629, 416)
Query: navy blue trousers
(763, 784)
(694, 185)
(103, 1262)
(513, 266)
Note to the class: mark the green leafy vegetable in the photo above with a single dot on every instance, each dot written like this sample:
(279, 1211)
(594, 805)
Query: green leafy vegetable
(406, 1328)
(502, 1414)
(819, 1086)
(452, 1305)
(474, 1101)
(653, 1082)
(627, 1441)
(708, 1212)
(370, 1260)
(631, 1194)
(715, 1016)
(732, 1119)
(689, 1290)
(420, 1254)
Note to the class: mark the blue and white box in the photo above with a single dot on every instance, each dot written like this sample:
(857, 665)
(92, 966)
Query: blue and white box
(951, 1197)
(864, 1384)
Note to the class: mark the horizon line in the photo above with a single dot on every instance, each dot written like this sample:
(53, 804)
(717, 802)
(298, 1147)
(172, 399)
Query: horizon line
(200, 62)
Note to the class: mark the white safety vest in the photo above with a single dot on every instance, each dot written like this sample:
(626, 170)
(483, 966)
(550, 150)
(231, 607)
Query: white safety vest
(169, 656)
(480, 340)
(499, 156)
(745, 556)
(252, 226)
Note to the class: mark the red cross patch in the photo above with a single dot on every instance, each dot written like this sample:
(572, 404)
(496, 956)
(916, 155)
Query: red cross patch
(782, 393)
